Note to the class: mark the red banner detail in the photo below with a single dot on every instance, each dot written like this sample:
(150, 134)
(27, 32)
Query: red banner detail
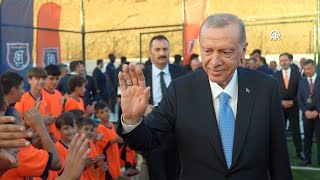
(48, 42)
(194, 14)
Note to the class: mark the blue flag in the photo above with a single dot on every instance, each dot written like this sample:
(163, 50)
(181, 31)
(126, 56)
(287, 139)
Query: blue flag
(16, 36)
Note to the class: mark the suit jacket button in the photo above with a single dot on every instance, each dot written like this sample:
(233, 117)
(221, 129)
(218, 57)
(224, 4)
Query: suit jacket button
(228, 177)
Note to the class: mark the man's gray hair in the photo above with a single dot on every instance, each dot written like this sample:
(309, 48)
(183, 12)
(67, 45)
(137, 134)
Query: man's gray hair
(223, 19)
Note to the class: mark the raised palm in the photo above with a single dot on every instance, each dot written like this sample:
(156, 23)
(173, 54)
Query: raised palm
(134, 94)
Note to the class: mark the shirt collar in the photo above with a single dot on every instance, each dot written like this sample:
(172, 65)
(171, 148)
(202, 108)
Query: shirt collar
(313, 77)
(156, 71)
(288, 70)
(231, 89)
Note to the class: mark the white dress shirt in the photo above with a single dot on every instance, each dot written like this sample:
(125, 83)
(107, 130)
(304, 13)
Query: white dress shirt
(289, 72)
(231, 89)
(156, 87)
(313, 78)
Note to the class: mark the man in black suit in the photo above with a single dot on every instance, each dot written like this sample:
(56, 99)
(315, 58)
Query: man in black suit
(163, 162)
(100, 79)
(308, 99)
(227, 120)
(288, 79)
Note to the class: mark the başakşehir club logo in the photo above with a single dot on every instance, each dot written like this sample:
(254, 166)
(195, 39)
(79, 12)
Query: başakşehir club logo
(50, 56)
(18, 57)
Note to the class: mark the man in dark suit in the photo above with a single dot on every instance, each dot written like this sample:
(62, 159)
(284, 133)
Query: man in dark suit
(288, 79)
(308, 99)
(100, 79)
(112, 81)
(227, 120)
(163, 162)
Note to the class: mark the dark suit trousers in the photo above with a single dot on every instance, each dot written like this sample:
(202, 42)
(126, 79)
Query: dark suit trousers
(311, 126)
(292, 114)
(163, 162)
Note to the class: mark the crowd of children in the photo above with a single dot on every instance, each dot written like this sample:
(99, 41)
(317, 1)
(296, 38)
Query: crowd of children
(54, 120)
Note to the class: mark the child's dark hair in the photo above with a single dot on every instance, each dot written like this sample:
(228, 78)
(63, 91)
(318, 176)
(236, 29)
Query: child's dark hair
(37, 72)
(84, 121)
(9, 80)
(76, 81)
(53, 70)
(66, 118)
(100, 105)
(77, 112)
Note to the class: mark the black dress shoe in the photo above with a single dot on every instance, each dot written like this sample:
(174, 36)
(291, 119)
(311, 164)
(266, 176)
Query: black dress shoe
(305, 163)
(301, 156)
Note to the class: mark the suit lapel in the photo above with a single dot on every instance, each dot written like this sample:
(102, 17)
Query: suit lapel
(281, 80)
(316, 84)
(201, 87)
(291, 79)
(246, 95)
(172, 72)
(148, 77)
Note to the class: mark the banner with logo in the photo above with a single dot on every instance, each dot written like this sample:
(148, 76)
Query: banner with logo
(48, 42)
(16, 36)
(194, 14)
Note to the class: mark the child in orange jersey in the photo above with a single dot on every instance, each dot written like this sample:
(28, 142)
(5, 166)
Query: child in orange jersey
(66, 124)
(53, 96)
(108, 145)
(86, 125)
(77, 86)
(37, 79)
(33, 162)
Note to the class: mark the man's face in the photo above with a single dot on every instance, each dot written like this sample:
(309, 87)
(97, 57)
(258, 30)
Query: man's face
(80, 69)
(18, 92)
(37, 82)
(103, 114)
(252, 64)
(195, 64)
(309, 70)
(113, 58)
(159, 52)
(67, 132)
(101, 65)
(52, 82)
(221, 52)
(273, 66)
(284, 62)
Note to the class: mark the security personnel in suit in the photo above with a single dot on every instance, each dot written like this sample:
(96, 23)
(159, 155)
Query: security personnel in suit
(163, 162)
